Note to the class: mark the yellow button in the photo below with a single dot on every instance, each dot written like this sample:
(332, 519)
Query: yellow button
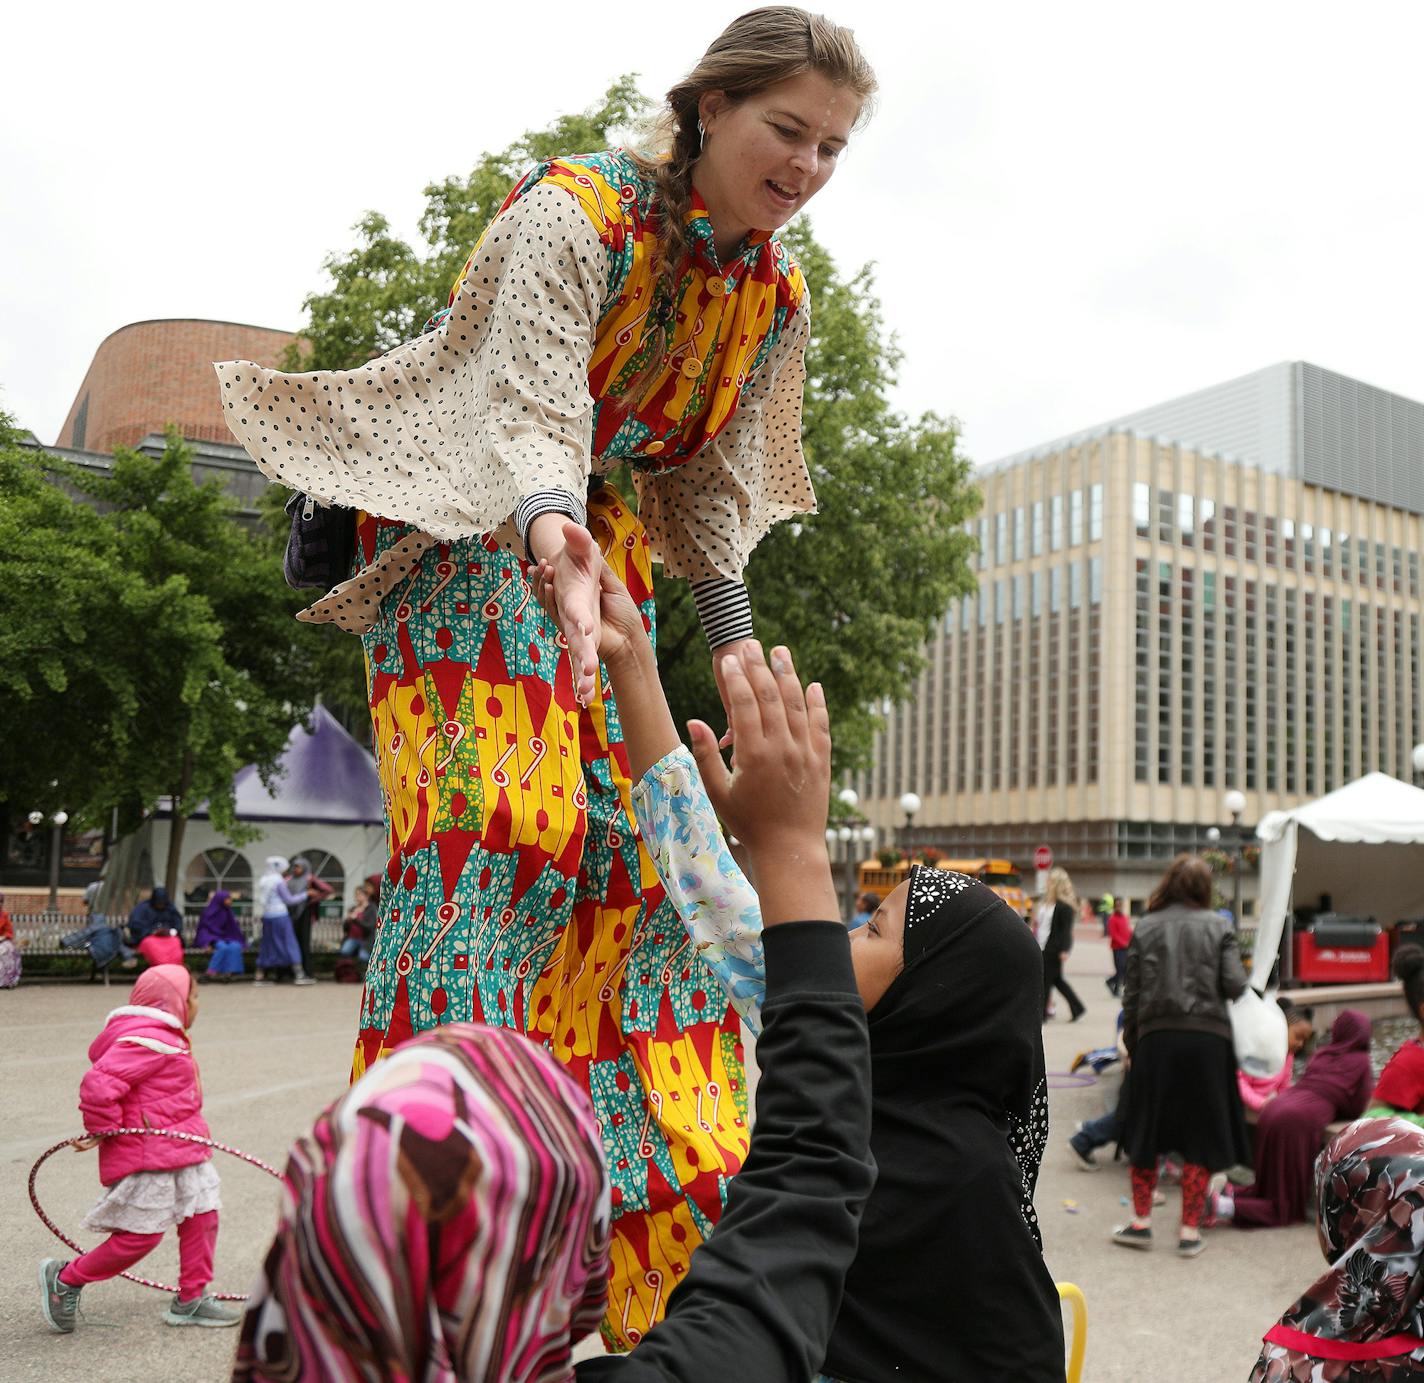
(653, 448)
(717, 287)
(691, 367)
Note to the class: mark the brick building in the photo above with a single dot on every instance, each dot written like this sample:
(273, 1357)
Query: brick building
(149, 374)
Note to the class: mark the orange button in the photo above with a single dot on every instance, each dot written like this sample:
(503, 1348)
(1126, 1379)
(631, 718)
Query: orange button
(653, 448)
(716, 287)
(691, 367)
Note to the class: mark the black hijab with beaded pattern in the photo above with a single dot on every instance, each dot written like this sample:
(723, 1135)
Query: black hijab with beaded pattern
(949, 1281)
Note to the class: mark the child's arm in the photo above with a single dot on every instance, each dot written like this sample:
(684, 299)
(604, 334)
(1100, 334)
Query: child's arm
(717, 905)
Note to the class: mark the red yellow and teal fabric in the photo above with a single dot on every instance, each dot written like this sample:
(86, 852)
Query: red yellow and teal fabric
(517, 891)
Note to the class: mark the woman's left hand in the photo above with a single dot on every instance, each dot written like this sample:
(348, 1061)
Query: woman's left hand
(722, 655)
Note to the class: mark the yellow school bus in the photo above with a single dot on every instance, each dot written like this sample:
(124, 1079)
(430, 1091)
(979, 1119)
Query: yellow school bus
(1000, 875)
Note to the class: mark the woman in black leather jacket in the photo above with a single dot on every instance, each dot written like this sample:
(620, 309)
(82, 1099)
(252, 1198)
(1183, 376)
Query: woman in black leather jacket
(1183, 967)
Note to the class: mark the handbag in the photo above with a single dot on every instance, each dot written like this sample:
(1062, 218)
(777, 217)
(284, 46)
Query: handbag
(1258, 1032)
(320, 543)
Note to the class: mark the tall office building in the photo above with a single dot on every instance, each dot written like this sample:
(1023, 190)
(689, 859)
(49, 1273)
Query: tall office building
(1220, 592)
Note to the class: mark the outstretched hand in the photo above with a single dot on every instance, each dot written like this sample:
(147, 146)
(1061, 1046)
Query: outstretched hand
(774, 797)
(567, 586)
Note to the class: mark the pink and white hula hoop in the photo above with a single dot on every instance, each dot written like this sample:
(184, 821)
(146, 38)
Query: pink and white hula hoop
(145, 1133)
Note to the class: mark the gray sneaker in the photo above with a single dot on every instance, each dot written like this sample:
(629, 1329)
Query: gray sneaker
(58, 1300)
(303, 979)
(204, 1310)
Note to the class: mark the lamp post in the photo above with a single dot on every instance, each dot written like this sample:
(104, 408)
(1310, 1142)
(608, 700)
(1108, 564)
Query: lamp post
(1235, 803)
(56, 851)
(909, 804)
(1417, 759)
(850, 799)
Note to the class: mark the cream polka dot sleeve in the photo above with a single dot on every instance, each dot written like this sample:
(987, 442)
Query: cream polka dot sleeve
(706, 516)
(450, 431)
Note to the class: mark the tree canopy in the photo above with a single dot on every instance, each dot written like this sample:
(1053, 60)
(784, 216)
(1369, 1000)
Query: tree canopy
(146, 640)
(855, 590)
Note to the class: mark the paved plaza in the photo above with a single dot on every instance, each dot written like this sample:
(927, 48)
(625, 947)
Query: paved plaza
(271, 1058)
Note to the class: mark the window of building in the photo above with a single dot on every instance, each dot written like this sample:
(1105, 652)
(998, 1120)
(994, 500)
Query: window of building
(1075, 658)
(1230, 682)
(1329, 704)
(1271, 555)
(1288, 544)
(1055, 523)
(1309, 723)
(1001, 539)
(1165, 674)
(218, 868)
(1380, 566)
(1403, 766)
(1396, 570)
(1327, 551)
(1206, 517)
(1055, 590)
(1251, 690)
(1228, 531)
(1095, 513)
(1036, 593)
(1274, 728)
(1142, 509)
(1075, 518)
(1094, 681)
(1413, 558)
(1249, 533)
(1142, 681)
(1020, 532)
(1186, 679)
(1208, 726)
(1186, 520)
(1166, 517)
(984, 554)
(1347, 688)
(1038, 528)
(1307, 547)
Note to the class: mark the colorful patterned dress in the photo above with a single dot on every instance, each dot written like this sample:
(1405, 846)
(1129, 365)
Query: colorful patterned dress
(518, 891)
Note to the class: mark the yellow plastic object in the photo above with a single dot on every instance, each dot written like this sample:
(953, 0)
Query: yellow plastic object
(1074, 1297)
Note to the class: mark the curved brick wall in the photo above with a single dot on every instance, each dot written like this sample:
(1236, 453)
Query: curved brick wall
(149, 374)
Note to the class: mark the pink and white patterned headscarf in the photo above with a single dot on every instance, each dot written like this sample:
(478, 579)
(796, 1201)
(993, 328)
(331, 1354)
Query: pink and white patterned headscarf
(446, 1219)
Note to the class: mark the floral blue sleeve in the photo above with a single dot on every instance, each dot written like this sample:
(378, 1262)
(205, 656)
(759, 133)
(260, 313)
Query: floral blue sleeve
(717, 905)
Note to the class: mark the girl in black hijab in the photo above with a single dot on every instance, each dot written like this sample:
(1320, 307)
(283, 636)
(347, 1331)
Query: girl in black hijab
(949, 1282)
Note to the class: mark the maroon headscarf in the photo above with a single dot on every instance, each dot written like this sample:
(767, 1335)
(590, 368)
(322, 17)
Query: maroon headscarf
(1340, 1070)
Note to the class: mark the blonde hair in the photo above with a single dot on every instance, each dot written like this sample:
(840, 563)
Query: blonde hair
(1060, 888)
(752, 53)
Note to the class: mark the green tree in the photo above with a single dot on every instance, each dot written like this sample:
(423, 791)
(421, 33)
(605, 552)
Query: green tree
(145, 641)
(855, 590)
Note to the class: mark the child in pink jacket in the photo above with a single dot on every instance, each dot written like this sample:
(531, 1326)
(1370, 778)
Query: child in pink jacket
(144, 1076)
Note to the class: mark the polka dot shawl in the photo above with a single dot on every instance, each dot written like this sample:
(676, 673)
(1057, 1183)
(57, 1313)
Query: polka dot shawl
(448, 432)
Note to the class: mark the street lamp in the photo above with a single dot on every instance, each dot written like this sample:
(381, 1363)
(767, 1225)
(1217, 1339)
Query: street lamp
(56, 848)
(909, 804)
(1235, 803)
(1417, 759)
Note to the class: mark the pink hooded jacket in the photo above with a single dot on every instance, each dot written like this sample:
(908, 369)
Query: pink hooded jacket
(144, 1076)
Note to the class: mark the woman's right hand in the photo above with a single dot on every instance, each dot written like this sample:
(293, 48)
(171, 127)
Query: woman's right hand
(566, 582)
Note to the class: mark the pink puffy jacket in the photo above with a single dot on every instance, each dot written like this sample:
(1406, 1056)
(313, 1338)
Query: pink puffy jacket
(143, 1076)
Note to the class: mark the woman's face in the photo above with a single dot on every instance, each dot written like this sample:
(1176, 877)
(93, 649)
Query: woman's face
(765, 158)
(877, 950)
(1299, 1034)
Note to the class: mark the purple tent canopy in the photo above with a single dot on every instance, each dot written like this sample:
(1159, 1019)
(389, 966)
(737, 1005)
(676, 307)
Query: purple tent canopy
(323, 775)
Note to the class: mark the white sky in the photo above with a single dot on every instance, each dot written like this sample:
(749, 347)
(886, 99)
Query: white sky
(1077, 210)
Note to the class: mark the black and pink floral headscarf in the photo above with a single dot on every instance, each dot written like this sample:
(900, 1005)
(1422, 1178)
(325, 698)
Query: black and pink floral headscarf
(1363, 1321)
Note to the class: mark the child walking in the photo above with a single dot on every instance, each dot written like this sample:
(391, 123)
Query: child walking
(144, 1076)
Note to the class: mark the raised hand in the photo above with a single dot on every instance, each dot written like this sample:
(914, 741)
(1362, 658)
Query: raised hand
(569, 595)
(775, 796)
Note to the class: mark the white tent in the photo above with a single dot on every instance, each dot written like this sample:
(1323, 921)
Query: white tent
(1316, 848)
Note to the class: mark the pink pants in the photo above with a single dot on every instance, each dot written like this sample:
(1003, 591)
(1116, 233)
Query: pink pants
(197, 1237)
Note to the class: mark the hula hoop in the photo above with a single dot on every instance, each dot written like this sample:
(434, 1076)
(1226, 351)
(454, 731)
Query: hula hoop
(145, 1133)
(1070, 1080)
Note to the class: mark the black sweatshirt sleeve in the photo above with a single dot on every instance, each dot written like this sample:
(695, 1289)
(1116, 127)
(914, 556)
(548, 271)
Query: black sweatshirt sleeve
(762, 1293)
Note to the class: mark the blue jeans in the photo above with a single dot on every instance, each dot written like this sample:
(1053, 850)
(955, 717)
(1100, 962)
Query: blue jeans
(354, 946)
(1107, 1128)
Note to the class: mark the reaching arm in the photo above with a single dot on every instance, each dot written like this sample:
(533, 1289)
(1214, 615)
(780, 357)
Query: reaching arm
(717, 905)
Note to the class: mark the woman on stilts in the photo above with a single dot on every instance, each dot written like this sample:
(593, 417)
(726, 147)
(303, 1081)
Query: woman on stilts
(617, 309)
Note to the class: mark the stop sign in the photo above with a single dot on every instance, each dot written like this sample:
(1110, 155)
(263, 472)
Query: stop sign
(1043, 858)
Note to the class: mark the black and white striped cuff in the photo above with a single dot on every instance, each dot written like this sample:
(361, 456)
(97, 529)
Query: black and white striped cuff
(725, 609)
(546, 502)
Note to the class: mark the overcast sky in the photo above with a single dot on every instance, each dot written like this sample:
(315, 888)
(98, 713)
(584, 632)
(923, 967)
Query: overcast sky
(1076, 210)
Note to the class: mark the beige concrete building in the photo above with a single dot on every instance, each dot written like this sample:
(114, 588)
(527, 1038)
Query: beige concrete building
(1159, 621)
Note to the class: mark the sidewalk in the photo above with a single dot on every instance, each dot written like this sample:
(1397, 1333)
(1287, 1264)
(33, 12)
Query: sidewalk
(272, 1058)
(1151, 1314)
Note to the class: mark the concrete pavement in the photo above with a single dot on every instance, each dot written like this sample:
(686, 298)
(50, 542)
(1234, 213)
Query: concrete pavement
(272, 1058)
